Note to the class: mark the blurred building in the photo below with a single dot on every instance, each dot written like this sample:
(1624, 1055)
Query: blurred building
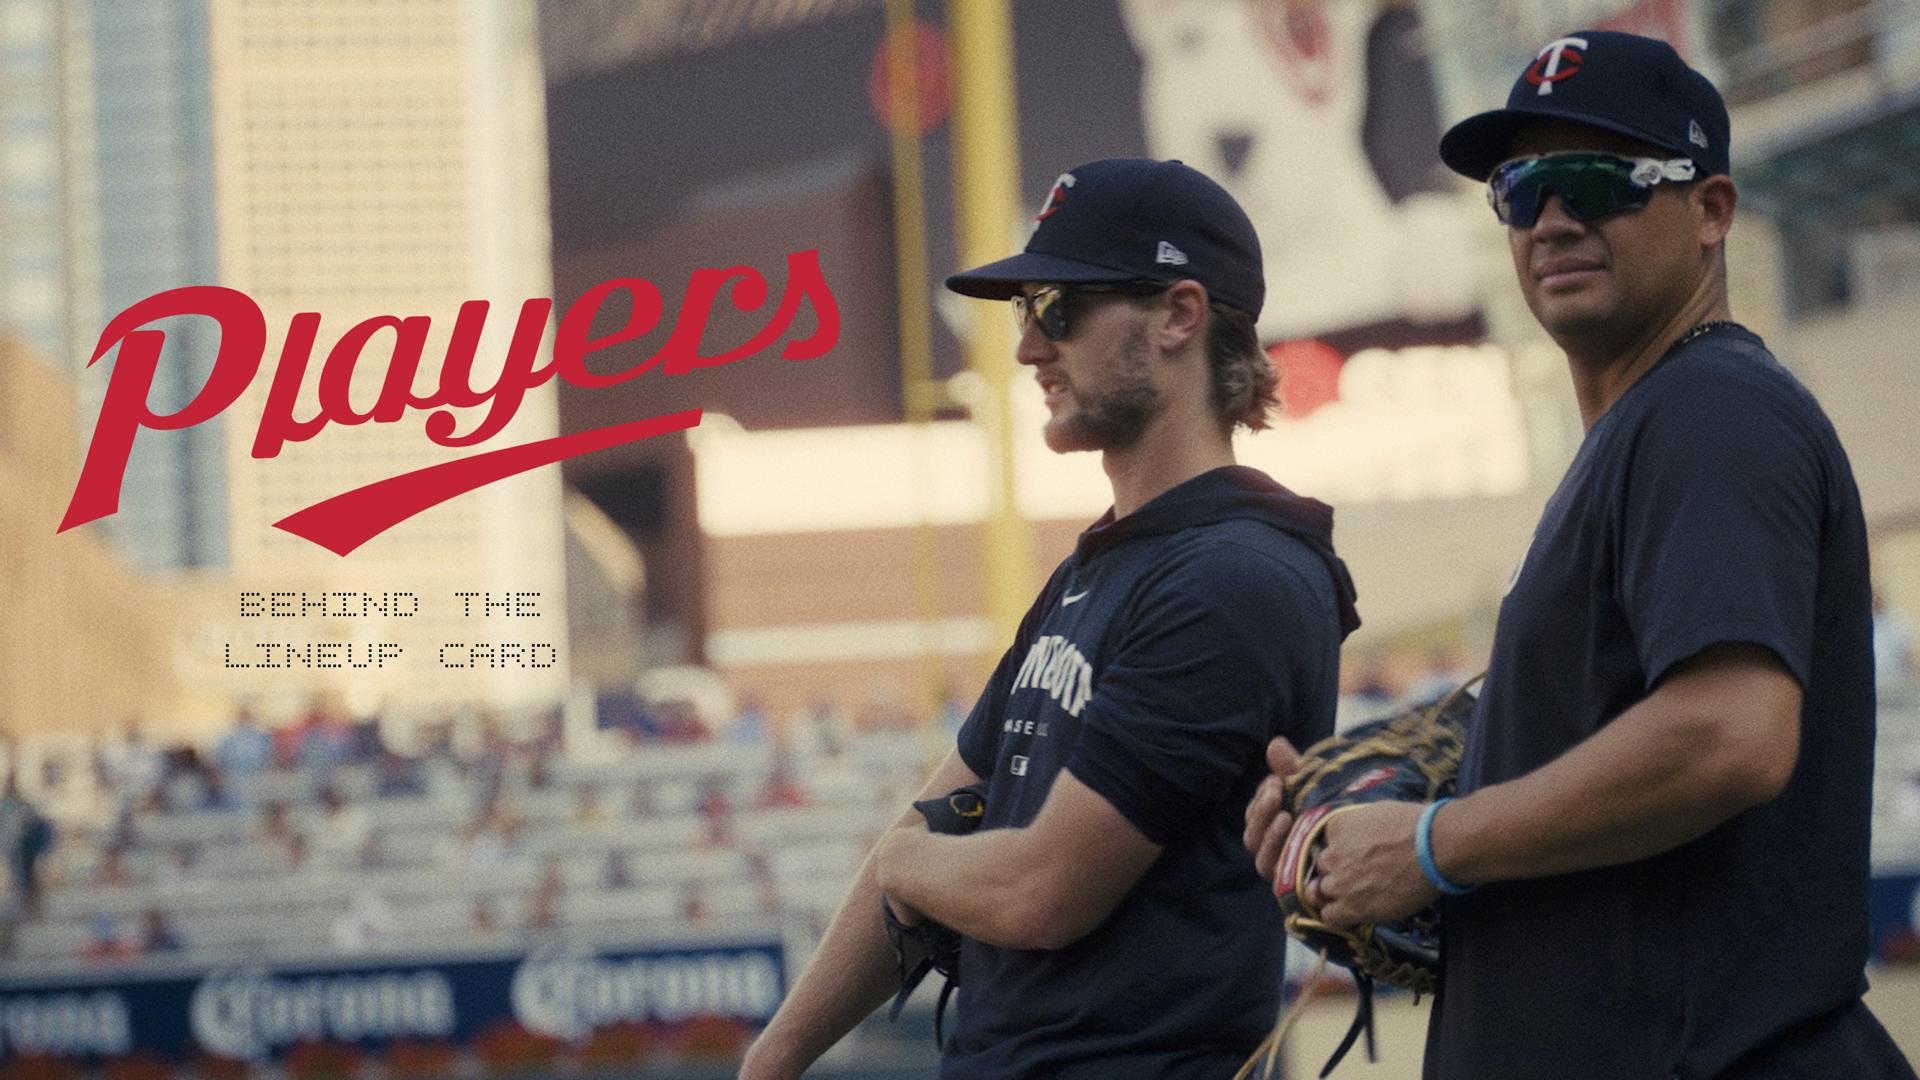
(84, 646)
(107, 198)
(35, 250)
(383, 158)
(1826, 115)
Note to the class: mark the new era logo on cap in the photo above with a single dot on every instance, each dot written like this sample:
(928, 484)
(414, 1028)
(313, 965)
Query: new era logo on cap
(1170, 255)
(1696, 136)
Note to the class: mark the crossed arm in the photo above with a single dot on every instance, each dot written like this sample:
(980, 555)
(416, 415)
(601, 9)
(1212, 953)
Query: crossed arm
(1718, 735)
(1039, 887)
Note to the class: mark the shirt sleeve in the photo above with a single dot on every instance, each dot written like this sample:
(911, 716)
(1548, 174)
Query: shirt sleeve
(1719, 526)
(1196, 687)
(978, 740)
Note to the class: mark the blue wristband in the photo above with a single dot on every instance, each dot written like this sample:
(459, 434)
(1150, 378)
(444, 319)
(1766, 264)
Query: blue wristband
(1423, 850)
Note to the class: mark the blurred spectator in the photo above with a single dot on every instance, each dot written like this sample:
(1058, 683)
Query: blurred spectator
(400, 777)
(363, 740)
(325, 742)
(641, 802)
(157, 934)
(716, 814)
(493, 841)
(25, 838)
(276, 831)
(543, 904)
(782, 789)
(480, 918)
(540, 770)
(113, 870)
(487, 769)
(618, 872)
(587, 810)
(751, 726)
(297, 847)
(694, 910)
(826, 729)
(109, 943)
(243, 754)
(1892, 644)
(441, 771)
(130, 767)
(341, 837)
(374, 853)
(366, 925)
(189, 782)
(176, 871)
(760, 872)
(122, 833)
(545, 749)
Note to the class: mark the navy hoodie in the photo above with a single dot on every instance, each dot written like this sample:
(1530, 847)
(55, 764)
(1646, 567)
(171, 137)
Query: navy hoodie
(1156, 664)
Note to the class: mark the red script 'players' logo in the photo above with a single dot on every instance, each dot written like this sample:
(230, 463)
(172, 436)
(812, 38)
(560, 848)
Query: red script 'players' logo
(1560, 59)
(1055, 196)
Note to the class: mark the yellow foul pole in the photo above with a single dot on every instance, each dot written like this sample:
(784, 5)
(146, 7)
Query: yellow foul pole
(916, 336)
(986, 168)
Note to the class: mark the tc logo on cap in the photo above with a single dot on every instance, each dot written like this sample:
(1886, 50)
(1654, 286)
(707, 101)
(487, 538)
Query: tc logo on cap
(1055, 196)
(1559, 59)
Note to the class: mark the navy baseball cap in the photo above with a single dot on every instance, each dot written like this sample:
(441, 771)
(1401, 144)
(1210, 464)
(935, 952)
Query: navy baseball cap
(1131, 219)
(1624, 83)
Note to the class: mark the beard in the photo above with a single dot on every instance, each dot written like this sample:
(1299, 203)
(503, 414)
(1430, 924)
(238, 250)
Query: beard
(1114, 413)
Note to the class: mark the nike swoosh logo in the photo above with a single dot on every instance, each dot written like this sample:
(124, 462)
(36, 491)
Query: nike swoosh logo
(1074, 599)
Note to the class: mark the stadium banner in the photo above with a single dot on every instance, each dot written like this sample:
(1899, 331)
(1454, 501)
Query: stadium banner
(611, 1007)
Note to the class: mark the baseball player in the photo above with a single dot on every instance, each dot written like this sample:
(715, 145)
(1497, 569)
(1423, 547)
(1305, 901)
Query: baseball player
(1657, 862)
(1106, 900)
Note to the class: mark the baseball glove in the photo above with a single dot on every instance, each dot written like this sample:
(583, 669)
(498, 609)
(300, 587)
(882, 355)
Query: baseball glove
(929, 945)
(1411, 757)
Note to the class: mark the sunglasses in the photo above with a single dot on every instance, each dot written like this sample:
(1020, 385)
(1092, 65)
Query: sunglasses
(1590, 185)
(1048, 304)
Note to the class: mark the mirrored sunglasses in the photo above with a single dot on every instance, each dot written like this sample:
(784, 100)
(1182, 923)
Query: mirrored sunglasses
(1590, 185)
(1048, 304)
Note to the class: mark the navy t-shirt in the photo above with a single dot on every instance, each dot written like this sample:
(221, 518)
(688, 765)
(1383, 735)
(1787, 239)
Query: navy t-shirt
(1712, 503)
(1155, 665)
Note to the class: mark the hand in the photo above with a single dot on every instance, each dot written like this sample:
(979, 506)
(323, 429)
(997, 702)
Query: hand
(1267, 820)
(1367, 872)
(908, 915)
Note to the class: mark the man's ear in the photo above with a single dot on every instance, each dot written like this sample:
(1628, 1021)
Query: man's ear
(1186, 319)
(1715, 199)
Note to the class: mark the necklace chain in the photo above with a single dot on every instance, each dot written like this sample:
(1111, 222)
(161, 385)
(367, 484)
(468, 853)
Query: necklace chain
(1705, 327)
